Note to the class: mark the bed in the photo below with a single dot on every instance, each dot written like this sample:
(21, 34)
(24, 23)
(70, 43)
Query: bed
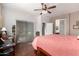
(56, 45)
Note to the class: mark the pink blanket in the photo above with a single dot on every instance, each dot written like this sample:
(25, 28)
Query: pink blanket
(58, 45)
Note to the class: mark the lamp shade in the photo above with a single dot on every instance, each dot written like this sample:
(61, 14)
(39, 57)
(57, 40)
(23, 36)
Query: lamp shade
(3, 32)
(3, 29)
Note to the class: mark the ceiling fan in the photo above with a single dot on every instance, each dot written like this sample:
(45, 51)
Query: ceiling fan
(45, 8)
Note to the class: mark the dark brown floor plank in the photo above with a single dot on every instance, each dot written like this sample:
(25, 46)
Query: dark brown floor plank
(24, 49)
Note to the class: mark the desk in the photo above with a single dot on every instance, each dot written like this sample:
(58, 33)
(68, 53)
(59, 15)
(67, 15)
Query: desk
(12, 52)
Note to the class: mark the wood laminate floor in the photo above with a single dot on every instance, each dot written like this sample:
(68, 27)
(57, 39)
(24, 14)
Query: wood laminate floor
(24, 49)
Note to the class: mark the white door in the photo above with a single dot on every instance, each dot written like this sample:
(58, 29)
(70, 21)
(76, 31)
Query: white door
(60, 26)
(48, 28)
(57, 26)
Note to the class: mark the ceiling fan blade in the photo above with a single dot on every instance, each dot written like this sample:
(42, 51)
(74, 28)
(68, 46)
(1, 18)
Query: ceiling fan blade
(52, 7)
(49, 12)
(37, 9)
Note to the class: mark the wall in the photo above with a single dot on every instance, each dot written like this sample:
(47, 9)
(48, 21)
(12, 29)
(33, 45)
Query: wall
(11, 15)
(38, 24)
(42, 19)
(66, 17)
(70, 21)
(46, 18)
(0, 9)
(1, 18)
(73, 18)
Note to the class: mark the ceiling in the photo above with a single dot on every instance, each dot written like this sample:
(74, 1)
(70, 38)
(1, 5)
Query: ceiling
(61, 8)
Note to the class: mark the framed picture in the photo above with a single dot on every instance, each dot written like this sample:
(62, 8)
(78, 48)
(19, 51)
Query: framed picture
(75, 27)
(77, 23)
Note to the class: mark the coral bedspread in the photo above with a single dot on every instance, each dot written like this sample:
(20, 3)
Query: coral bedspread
(58, 45)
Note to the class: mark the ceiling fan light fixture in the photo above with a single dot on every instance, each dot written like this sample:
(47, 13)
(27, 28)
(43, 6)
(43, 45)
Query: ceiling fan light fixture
(44, 12)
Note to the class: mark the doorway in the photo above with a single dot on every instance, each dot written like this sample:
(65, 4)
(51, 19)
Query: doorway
(24, 31)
